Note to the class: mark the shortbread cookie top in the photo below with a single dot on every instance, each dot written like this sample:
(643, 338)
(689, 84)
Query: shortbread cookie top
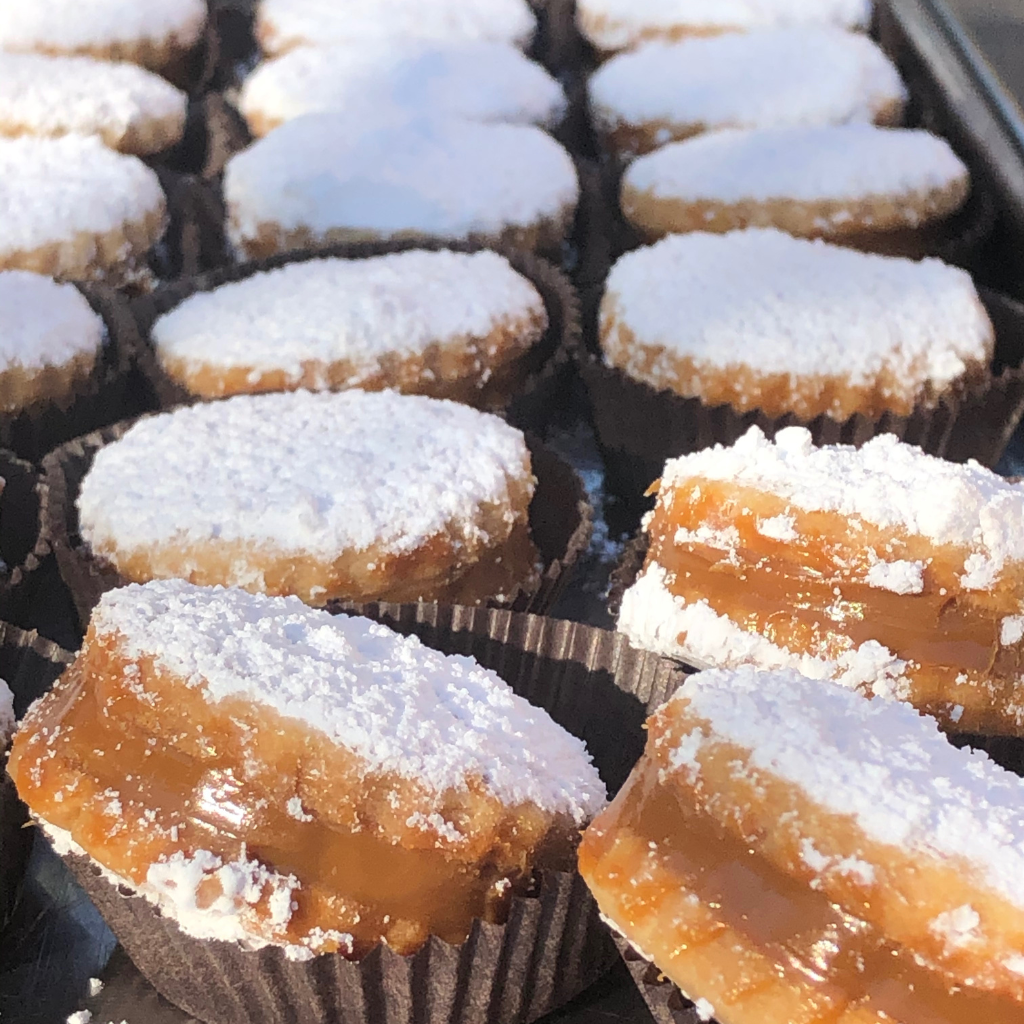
(70, 26)
(352, 310)
(43, 323)
(42, 95)
(877, 761)
(825, 164)
(478, 80)
(799, 75)
(285, 24)
(317, 474)
(782, 305)
(616, 24)
(398, 705)
(430, 176)
(53, 189)
(887, 483)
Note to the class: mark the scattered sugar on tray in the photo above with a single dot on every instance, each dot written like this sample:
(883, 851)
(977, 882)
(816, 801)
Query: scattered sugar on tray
(399, 705)
(786, 305)
(65, 25)
(614, 24)
(286, 23)
(356, 310)
(429, 175)
(50, 189)
(318, 473)
(46, 95)
(478, 80)
(794, 75)
(885, 482)
(852, 162)
(43, 323)
(879, 761)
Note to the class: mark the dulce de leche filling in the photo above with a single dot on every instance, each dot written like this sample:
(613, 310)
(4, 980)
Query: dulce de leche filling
(801, 580)
(143, 773)
(759, 946)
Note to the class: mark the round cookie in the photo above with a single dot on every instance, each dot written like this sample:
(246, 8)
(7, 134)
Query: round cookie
(132, 110)
(758, 319)
(49, 340)
(875, 188)
(446, 324)
(618, 24)
(478, 80)
(328, 178)
(799, 75)
(75, 209)
(154, 33)
(282, 25)
(358, 495)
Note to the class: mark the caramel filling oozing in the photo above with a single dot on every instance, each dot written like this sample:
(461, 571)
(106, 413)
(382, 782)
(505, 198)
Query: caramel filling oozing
(810, 595)
(761, 946)
(139, 768)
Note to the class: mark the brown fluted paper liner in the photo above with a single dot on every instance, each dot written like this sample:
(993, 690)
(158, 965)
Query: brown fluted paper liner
(553, 945)
(667, 1004)
(512, 389)
(639, 427)
(29, 665)
(561, 521)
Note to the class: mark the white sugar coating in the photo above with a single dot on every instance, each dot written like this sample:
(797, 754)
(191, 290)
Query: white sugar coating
(780, 304)
(301, 472)
(478, 80)
(7, 719)
(805, 75)
(43, 323)
(878, 761)
(442, 176)
(52, 189)
(889, 484)
(58, 95)
(57, 26)
(322, 22)
(398, 705)
(838, 163)
(615, 24)
(655, 619)
(356, 310)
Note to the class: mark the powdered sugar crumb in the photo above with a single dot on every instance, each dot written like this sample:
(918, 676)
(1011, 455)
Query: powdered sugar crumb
(786, 76)
(95, 987)
(781, 527)
(397, 704)
(319, 473)
(921, 794)
(900, 577)
(359, 311)
(761, 298)
(704, 1009)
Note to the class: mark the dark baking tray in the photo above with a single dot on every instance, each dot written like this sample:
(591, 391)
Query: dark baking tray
(58, 941)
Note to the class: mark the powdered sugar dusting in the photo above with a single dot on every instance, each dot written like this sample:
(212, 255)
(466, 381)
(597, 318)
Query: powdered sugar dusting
(7, 719)
(887, 483)
(50, 189)
(615, 24)
(879, 761)
(834, 163)
(356, 310)
(899, 577)
(45, 95)
(655, 619)
(319, 473)
(801, 75)
(43, 323)
(432, 176)
(397, 704)
(786, 305)
(481, 81)
(287, 23)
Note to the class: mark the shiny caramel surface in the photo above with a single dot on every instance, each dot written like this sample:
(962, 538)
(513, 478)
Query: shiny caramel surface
(810, 595)
(759, 945)
(139, 768)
